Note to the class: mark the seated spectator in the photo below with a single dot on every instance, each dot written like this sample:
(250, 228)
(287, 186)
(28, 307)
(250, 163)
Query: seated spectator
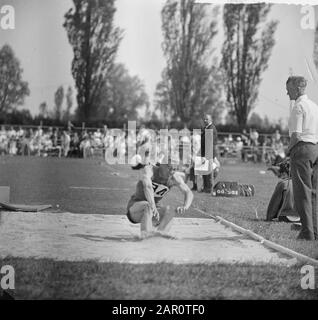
(185, 147)
(279, 152)
(225, 147)
(131, 142)
(20, 136)
(244, 137)
(276, 137)
(70, 127)
(84, 134)
(239, 145)
(281, 205)
(86, 145)
(122, 144)
(75, 146)
(231, 146)
(254, 144)
(97, 139)
(143, 142)
(55, 138)
(105, 130)
(34, 145)
(254, 137)
(246, 143)
(46, 144)
(4, 141)
(143, 136)
(65, 140)
(12, 135)
(267, 151)
(39, 132)
(20, 132)
(25, 143)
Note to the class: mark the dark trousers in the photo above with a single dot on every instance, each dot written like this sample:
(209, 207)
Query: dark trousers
(207, 182)
(304, 173)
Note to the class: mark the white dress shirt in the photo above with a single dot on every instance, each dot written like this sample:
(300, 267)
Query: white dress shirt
(304, 119)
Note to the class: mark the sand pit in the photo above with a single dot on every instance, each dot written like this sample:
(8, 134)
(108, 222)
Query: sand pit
(112, 238)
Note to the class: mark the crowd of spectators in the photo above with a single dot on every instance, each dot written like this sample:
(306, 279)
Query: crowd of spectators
(52, 141)
(68, 142)
(268, 148)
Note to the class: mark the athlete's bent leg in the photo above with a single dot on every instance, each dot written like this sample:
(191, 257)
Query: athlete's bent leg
(166, 218)
(141, 213)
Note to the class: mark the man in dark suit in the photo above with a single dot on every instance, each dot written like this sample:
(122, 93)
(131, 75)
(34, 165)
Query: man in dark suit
(208, 134)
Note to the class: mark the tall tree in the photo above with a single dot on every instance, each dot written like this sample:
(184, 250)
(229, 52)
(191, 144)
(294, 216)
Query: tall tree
(246, 50)
(316, 48)
(19, 117)
(162, 99)
(13, 89)
(58, 100)
(95, 41)
(69, 103)
(189, 77)
(255, 120)
(43, 110)
(123, 96)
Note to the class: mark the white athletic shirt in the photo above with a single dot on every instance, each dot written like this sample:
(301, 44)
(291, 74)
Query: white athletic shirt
(304, 119)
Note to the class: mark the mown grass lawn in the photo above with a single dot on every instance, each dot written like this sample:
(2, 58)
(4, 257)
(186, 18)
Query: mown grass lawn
(250, 212)
(47, 279)
(45, 181)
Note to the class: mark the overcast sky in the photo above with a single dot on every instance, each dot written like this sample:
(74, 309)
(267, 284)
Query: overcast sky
(41, 44)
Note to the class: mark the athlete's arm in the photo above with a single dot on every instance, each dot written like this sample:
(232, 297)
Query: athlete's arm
(188, 195)
(148, 190)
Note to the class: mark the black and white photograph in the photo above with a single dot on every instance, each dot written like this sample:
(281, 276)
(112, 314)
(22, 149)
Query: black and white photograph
(160, 151)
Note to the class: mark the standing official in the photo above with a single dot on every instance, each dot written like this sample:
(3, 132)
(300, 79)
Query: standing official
(207, 141)
(303, 151)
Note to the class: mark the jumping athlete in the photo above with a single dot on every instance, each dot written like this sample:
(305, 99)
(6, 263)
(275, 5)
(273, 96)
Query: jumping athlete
(143, 206)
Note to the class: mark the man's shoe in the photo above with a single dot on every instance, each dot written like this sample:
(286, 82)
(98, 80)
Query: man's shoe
(302, 237)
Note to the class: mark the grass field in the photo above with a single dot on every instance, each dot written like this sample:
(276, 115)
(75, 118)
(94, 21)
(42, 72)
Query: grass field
(49, 180)
(45, 279)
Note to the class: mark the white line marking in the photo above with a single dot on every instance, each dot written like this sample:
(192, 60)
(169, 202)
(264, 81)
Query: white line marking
(97, 188)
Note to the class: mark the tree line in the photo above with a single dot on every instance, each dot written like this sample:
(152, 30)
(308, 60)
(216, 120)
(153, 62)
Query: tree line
(194, 81)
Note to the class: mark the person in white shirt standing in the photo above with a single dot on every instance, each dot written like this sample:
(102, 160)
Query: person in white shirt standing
(303, 151)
